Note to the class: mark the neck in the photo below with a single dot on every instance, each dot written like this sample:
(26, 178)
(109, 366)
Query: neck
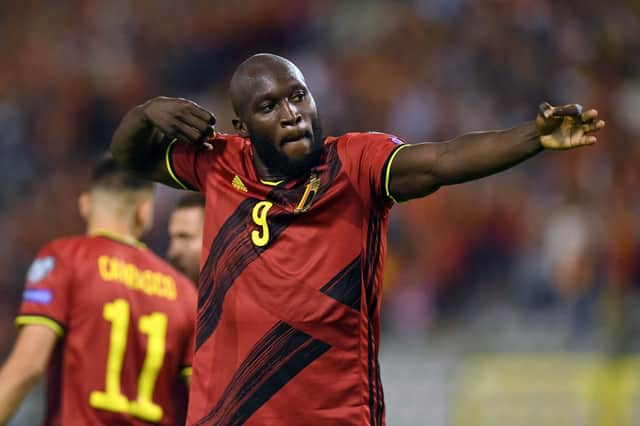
(125, 231)
(264, 173)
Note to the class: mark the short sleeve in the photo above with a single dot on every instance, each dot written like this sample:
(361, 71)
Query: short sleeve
(45, 299)
(367, 158)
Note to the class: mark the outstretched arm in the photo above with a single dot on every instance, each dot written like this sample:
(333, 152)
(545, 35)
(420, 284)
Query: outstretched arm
(26, 364)
(140, 142)
(421, 169)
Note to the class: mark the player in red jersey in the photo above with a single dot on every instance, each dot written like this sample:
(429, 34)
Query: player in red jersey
(294, 238)
(185, 235)
(110, 322)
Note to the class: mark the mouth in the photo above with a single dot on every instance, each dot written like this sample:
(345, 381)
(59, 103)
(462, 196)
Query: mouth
(304, 136)
(296, 146)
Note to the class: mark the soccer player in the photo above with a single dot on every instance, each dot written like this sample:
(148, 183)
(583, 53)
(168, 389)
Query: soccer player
(110, 322)
(295, 228)
(185, 235)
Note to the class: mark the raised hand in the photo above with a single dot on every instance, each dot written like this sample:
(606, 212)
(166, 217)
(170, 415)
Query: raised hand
(180, 118)
(566, 127)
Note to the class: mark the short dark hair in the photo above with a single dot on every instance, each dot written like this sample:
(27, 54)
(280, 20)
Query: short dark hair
(191, 199)
(107, 174)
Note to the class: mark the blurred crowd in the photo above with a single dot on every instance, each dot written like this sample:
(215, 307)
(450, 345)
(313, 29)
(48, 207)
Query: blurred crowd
(558, 237)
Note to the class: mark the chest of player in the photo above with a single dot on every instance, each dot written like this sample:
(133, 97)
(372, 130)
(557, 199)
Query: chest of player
(313, 223)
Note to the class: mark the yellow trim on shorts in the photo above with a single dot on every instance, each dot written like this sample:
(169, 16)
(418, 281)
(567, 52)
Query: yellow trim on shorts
(167, 157)
(22, 320)
(386, 177)
(186, 372)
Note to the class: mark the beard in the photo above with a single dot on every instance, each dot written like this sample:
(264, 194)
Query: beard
(278, 163)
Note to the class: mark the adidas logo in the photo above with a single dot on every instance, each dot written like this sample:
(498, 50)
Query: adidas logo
(238, 184)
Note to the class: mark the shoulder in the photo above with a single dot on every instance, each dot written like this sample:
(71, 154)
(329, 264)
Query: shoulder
(56, 255)
(227, 142)
(364, 139)
(65, 246)
(372, 137)
(359, 145)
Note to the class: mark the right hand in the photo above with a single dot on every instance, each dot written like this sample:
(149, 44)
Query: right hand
(180, 118)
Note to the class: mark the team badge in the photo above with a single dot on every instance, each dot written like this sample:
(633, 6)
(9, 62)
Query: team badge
(396, 140)
(309, 194)
(40, 268)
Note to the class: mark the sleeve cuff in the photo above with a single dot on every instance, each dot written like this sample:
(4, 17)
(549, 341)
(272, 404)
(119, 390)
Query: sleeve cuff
(23, 320)
(167, 157)
(387, 172)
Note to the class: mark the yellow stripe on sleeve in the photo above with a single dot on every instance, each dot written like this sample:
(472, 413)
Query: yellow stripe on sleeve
(167, 157)
(186, 371)
(270, 183)
(22, 320)
(388, 171)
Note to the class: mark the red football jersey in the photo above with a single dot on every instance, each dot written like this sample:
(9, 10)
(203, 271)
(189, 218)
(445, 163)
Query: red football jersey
(289, 292)
(126, 321)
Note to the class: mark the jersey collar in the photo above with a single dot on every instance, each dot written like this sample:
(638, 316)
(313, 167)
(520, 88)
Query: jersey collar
(119, 238)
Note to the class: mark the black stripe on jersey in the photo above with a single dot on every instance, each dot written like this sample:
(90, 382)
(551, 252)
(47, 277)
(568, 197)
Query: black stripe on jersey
(238, 252)
(231, 252)
(277, 358)
(372, 259)
(370, 369)
(381, 406)
(346, 286)
(332, 160)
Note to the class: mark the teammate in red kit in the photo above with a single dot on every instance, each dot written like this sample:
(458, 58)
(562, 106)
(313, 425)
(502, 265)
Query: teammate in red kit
(110, 322)
(294, 238)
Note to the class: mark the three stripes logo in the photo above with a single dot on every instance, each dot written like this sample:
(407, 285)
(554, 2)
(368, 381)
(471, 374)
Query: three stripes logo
(238, 184)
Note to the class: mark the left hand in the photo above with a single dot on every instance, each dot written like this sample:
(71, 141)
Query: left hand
(566, 126)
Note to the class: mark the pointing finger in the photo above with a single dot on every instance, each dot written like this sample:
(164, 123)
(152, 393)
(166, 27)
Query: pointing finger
(592, 126)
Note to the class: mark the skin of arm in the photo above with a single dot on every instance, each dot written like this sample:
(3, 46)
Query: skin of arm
(26, 364)
(140, 142)
(139, 147)
(421, 169)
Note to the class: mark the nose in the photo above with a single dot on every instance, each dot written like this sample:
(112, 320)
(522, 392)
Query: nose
(290, 115)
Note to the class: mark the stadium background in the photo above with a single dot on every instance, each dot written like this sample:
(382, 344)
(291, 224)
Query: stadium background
(511, 300)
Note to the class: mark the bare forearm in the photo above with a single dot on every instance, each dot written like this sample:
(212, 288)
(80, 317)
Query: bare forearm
(135, 144)
(479, 154)
(14, 387)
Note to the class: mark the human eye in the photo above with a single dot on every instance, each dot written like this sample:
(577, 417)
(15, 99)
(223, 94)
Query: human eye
(299, 95)
(267, 107)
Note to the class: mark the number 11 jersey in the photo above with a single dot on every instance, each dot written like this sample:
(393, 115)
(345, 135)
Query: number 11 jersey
(125, 321)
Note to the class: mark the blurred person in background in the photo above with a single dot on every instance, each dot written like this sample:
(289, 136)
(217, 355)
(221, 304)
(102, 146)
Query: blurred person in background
(185, 235)
(295, 241)
(109, 321)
